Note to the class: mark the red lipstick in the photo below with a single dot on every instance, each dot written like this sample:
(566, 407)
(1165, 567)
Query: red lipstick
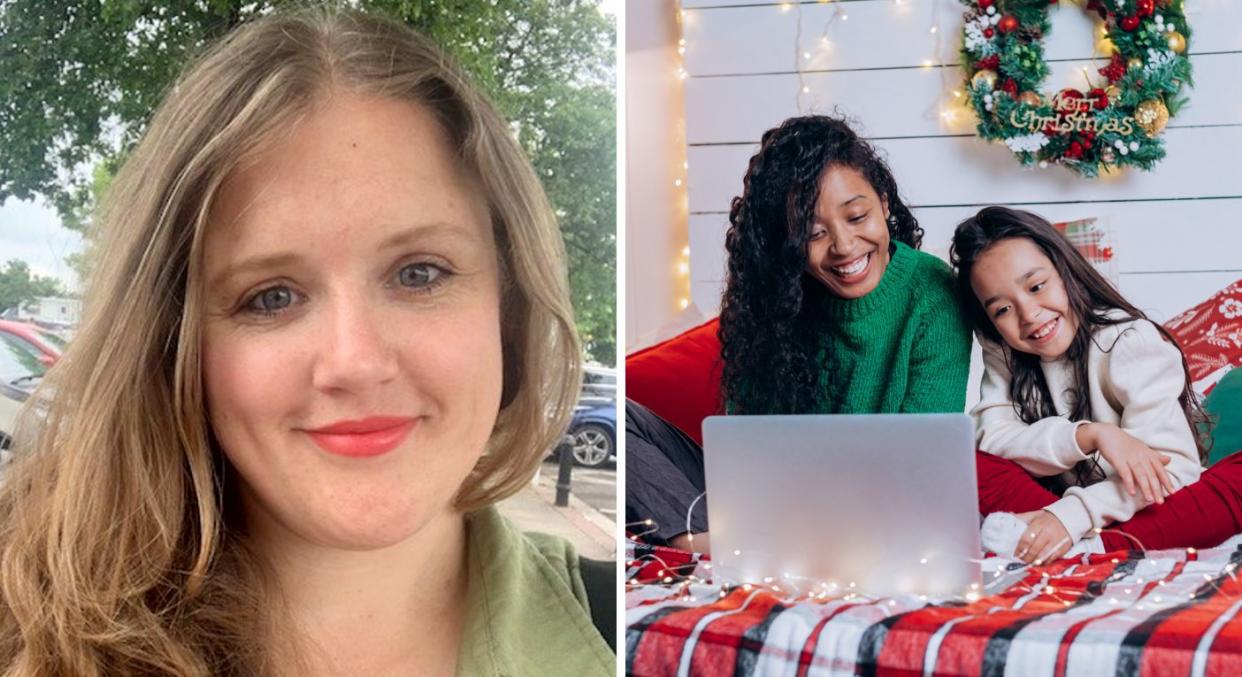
(363, 438)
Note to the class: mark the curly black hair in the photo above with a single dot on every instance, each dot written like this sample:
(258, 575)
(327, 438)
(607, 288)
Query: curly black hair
(1092, 299)
(769, 328)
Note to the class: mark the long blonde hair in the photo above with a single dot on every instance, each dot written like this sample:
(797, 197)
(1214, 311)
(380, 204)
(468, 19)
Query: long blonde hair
(116, 551)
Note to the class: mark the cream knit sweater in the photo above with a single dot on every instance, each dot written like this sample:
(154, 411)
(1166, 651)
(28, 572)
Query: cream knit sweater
(1135, 379)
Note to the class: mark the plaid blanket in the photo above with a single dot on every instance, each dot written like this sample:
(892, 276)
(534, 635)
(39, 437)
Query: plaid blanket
(1125, 613)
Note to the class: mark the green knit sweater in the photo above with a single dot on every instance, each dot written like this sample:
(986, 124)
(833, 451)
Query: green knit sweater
(905, 347)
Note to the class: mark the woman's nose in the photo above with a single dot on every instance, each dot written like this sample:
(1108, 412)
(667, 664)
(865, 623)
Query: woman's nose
(842, 241)
(356, 352)
(1029, 311)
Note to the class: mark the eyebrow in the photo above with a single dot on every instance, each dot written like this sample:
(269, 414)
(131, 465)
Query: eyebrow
(860, 196)
(1020, 280)
(402, 237)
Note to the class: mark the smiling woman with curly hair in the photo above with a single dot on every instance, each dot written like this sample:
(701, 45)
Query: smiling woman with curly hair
(829, 307)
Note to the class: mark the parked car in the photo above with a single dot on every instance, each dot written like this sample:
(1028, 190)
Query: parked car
(594, 431)
(21, 369)
(599, 381)
(47, 345)
(8, 418)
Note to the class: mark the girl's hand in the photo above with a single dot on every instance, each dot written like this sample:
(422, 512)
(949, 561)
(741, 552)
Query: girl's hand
(1045, 539)
(1140, 468)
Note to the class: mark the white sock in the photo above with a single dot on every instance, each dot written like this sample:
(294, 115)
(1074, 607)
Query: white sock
(1001, 532)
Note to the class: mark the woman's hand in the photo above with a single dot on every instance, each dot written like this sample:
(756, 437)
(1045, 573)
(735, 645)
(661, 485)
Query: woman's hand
(1139, 467)
(693, 542)
(1045, 539)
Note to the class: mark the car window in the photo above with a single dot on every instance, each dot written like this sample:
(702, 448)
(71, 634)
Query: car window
(54, 340)
(18, 358)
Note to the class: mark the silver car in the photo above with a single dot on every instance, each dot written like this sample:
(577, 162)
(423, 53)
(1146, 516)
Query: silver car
(20, 372)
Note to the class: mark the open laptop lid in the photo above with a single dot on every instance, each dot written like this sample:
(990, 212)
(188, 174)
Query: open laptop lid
(885, 501)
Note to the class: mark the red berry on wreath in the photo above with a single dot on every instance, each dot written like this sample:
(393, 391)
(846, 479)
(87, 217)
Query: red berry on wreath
(1010, 87)
(1074, 151)
(1129, 23)
(1145, 7)
(984, 4)
(1007, 24)
(988, 32)
(989, 63)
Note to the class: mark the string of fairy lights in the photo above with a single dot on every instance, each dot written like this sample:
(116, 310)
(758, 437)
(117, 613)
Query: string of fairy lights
(1006, 577)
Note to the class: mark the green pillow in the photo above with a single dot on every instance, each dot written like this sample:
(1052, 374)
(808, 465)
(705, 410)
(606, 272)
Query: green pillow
(1224, 405)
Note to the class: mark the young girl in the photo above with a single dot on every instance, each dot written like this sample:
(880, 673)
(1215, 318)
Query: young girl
(1086, 420)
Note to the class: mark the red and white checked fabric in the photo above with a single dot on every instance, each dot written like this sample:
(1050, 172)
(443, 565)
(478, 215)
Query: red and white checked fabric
(1170, 612)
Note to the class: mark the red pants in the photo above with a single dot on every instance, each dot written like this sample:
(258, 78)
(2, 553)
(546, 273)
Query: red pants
(1200, 515)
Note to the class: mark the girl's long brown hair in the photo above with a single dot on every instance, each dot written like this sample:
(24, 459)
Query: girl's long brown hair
(117, 550)
(1092, 300)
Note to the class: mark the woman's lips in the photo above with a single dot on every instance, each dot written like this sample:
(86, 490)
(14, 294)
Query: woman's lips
(1052, 331)
(364, 438)
(860, 266)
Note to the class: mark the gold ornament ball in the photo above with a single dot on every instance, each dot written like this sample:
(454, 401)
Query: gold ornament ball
(1031, 99)
(985, 75)
(1152, 116)
(1135, 63)
(1112, 92)
(1177, 42)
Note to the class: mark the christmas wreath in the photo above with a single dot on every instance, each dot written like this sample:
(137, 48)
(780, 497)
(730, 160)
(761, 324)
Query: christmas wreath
(1114, 123)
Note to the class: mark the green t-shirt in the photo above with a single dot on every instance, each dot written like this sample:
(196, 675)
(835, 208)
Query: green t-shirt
(528, 612)
(905, 347)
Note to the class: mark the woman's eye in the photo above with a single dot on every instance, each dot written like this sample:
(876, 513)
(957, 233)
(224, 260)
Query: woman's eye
(1000, 311)
(816, 234)
(419, 275)
(271, 301)
(1036, 288)
(858, 219)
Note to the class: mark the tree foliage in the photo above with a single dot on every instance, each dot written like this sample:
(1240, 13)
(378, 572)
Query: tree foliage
(18, 287)
(79, 81)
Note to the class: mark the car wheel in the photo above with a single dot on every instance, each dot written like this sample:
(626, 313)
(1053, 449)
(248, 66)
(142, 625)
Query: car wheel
(592, 445)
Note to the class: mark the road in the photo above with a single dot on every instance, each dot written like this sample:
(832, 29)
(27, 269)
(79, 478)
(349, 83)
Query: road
(597, 487)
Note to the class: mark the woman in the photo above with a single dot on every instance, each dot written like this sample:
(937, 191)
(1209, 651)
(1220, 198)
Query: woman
(329, 329)
(828, 308)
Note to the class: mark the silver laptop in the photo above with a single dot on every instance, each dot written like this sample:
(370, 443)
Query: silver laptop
(885, 502)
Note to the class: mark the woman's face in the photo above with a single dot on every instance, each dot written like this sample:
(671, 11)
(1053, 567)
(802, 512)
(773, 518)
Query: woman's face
(848, 247)
(1022, 293)
(351, 347)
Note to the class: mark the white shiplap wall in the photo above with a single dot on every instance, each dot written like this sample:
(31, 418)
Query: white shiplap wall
(1177, 230)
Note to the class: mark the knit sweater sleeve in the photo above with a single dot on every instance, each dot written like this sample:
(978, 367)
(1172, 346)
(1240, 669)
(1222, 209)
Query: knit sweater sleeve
(1043, 448)
(1144, 375)
(940, 352)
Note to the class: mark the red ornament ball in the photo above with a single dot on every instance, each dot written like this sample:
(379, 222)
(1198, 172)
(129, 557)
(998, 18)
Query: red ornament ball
(1007, 23)
(984, 4)
(1101, 98)
(1145, 7)
(988, 32)
(1129, 23)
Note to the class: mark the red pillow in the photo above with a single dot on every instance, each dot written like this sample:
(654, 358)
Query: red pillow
(679, 379)
(1210, 335)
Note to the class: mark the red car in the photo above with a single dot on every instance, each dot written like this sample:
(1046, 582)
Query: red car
(48, 346)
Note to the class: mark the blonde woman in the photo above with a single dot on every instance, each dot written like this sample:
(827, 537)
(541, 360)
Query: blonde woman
(329, 329)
